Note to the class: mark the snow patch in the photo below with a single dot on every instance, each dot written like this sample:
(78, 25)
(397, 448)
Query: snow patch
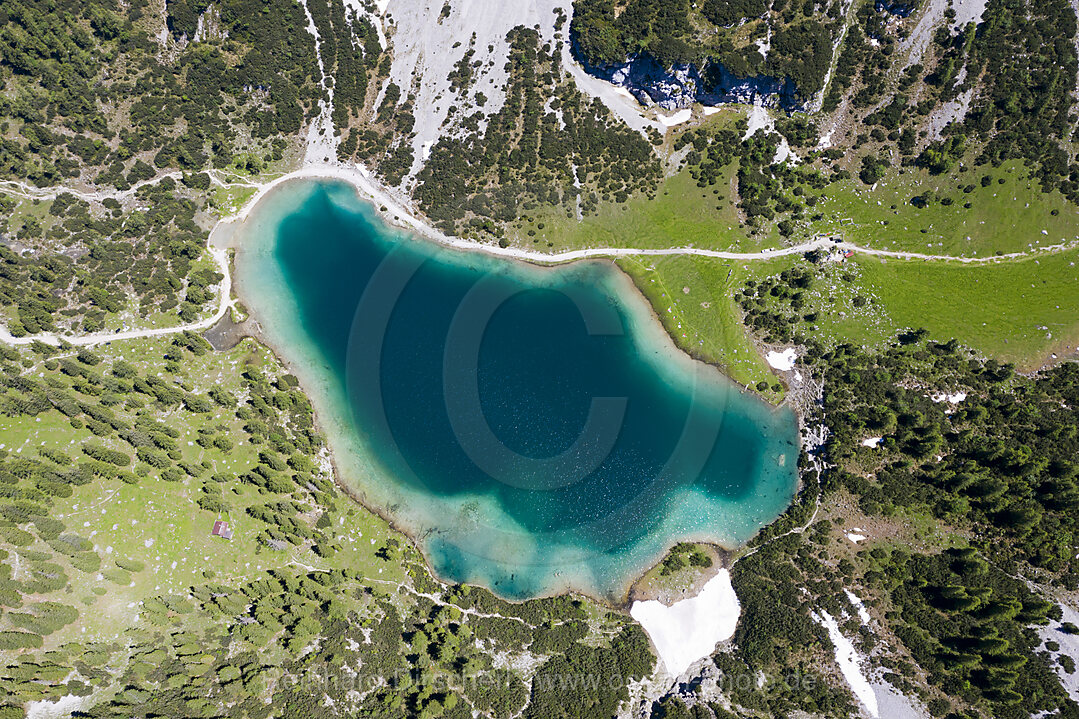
(1069, 644)
(846, 656)
(859, 605)
(782, 360)
(764, 44)
(854, 537)
(62, 707)
(871, 442)
(784, 153)
(949, 398)
(676, 119)
(758, 119)
(689, 630)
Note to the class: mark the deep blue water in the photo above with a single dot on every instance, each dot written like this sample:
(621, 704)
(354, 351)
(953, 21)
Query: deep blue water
(528, 425)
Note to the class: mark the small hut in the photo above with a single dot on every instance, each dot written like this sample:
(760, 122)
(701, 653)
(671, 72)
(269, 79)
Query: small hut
(221, 529)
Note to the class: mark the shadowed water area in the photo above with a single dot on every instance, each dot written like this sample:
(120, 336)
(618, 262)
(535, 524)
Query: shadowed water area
(532, 428)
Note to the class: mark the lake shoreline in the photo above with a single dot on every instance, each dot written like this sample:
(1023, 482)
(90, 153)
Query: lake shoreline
(390, 211)
(234, 234)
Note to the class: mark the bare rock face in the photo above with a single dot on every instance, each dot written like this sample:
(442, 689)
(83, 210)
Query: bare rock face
(652, 85)
(756, 89)
(682, 85)
(899, 8)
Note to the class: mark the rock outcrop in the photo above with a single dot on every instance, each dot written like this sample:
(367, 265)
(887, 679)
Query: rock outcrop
(899, 9)
(682, 85)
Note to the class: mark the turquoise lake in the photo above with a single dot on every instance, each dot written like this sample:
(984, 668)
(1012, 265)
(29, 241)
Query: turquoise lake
(533, 429)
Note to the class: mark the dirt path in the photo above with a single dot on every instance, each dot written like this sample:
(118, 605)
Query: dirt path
(31, 192)
(225, 302)
(369, 189)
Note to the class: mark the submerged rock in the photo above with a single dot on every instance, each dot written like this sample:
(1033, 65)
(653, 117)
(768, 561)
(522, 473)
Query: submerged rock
(683, 85)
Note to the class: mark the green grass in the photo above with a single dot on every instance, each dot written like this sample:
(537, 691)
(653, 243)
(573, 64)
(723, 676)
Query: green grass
(838, 317)
(28, 207)
(1010, 217)
(228, 200)
(996, 309)
(1007, 217)
(680, 581)
(129, 318)
(681, 215)
(160, 524)
(705, 322)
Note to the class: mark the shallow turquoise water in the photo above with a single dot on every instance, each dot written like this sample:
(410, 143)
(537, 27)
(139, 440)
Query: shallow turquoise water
(533, 428)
